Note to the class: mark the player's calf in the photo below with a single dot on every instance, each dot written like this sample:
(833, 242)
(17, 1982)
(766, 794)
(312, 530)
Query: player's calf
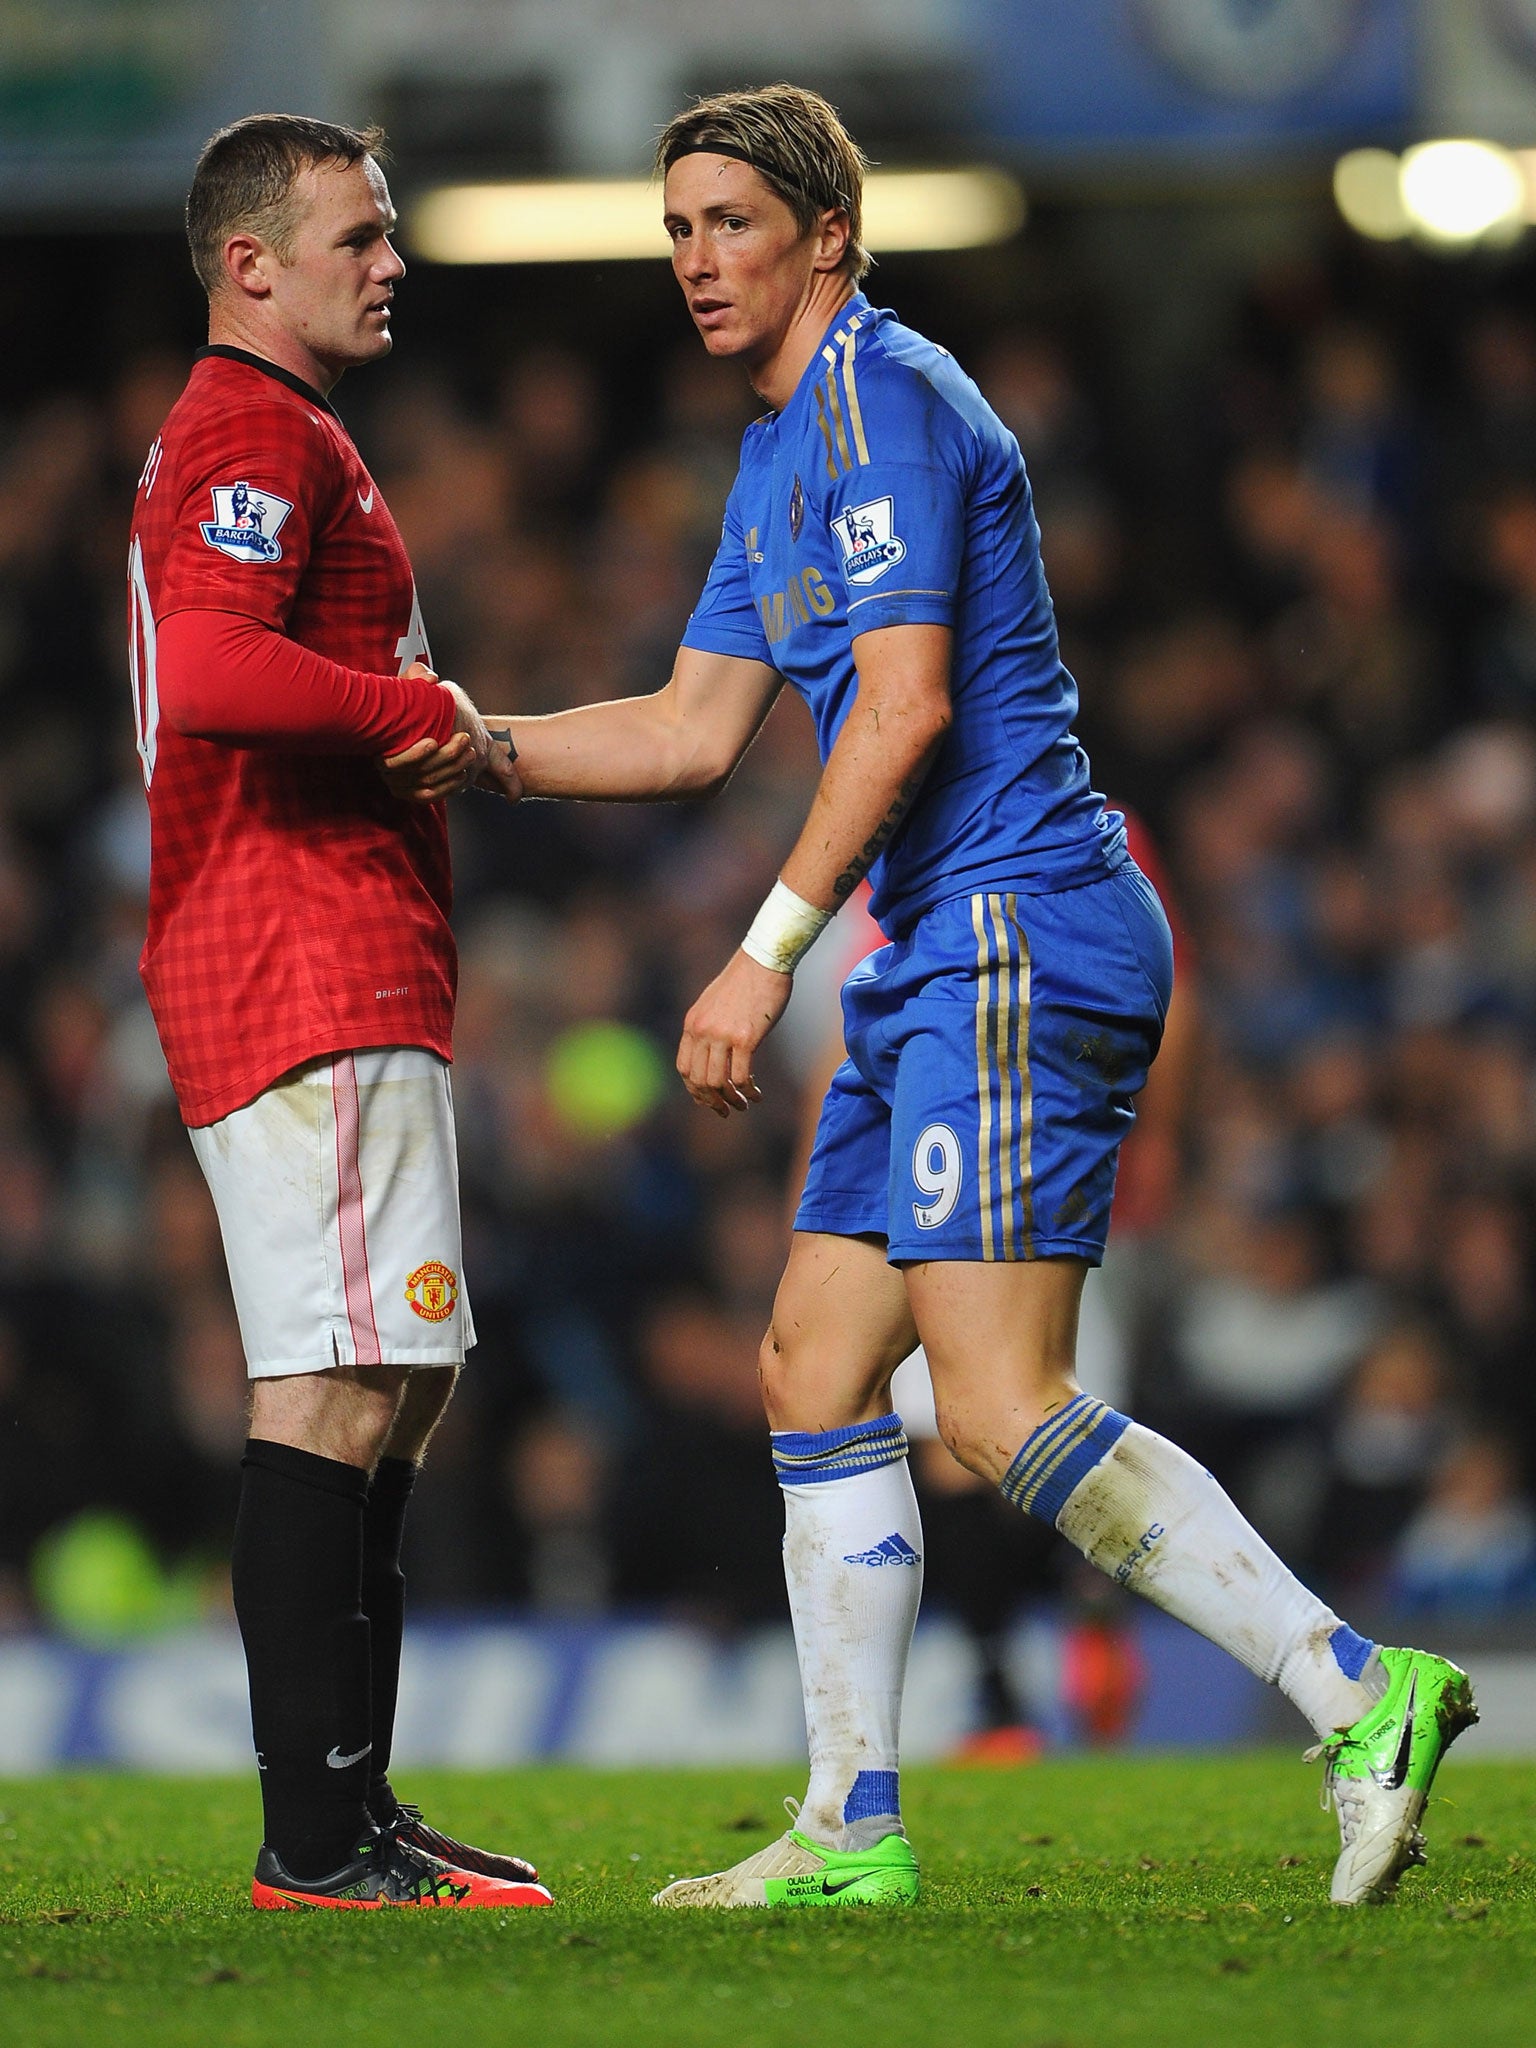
(1149, 1516)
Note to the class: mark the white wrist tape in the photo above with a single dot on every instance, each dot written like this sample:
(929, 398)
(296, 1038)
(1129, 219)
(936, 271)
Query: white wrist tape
(784, 930)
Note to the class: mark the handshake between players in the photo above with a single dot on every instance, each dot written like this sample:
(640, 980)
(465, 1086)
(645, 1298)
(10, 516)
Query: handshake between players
(879, 552)
(472, 757)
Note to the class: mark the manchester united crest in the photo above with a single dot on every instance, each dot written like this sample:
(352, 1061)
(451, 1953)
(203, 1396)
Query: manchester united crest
(433, 1291)
(796, 510)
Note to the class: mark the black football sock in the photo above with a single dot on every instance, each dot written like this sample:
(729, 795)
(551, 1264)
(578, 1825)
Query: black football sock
(297, 1576)
(384, 1605)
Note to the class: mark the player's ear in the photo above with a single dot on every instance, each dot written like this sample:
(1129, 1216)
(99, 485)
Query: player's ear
(246, 262)
(832, 239)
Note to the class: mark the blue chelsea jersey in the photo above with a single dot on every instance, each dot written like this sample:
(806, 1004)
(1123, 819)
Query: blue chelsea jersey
(888, 493)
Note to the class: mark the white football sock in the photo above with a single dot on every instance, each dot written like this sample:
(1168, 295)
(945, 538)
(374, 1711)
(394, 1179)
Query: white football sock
(1150, 1517)
(853, 1565)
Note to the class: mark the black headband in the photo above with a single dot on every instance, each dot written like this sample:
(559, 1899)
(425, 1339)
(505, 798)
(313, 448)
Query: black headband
(713, 149)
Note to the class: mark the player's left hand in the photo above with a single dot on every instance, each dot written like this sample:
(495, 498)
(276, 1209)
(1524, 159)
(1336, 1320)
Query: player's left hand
(724, 1028)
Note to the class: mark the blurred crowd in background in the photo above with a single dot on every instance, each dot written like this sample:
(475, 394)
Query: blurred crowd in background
(1305, 633)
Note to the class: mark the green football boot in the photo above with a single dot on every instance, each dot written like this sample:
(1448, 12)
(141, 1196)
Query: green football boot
(795, 1871)
(1379, 1772)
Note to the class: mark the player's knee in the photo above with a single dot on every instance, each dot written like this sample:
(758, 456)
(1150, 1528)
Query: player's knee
(801, 1383)
(968, 1440)
(986, 1435)
(345, 1414)
(775, 1373)
(428, 1391)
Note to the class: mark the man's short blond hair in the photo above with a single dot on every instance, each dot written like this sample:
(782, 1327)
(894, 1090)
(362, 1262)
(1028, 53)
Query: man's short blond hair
(795, 142)
(245, 179)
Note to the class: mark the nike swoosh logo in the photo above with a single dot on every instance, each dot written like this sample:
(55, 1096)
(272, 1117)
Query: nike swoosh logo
(366, 503)
(842, 1885)
(1396, 1775)
(338, 1762)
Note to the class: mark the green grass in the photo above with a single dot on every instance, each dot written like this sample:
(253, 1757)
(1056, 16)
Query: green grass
(1082, 1903)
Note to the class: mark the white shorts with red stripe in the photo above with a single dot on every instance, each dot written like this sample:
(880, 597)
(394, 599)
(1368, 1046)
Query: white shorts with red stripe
(338, 1198)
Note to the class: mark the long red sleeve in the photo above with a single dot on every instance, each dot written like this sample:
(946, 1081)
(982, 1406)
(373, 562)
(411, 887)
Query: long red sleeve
(224, 676)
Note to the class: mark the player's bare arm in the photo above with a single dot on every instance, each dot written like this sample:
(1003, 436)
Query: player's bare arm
(873, 773)
(682, 741)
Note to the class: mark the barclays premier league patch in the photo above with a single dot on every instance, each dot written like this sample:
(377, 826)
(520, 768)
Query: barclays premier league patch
(246, 523)
(868, 544)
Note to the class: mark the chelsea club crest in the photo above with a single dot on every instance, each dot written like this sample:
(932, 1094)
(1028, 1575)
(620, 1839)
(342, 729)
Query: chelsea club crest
(796, 510)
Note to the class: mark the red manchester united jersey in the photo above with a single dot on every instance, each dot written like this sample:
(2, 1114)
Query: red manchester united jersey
(296, 908)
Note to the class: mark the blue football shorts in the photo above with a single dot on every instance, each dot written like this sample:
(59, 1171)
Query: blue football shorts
(994, 1054)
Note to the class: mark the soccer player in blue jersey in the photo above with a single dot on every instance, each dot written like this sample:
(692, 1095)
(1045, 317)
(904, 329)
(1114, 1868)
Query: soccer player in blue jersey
(880, 554)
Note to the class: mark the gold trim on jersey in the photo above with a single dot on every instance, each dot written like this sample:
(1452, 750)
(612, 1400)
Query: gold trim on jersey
(1002, 1063)
(875, 596)
(852, 444)
(826, 431)
(837, 417)
(983, 1077)
(1000, 1015)
(1024, 1143)
(850, 386)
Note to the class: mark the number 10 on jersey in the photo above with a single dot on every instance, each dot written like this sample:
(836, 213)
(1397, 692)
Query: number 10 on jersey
(141, 662)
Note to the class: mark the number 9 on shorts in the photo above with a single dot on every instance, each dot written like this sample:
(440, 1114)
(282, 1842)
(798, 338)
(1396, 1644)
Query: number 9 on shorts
(937, 1171)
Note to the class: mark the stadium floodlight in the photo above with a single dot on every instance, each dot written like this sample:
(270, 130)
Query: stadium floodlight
(960, 209)
(544, 221)
(1368, 190)
(616, 219)
(1459, 192)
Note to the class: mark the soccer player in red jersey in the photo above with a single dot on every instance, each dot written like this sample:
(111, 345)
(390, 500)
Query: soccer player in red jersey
(301, 971)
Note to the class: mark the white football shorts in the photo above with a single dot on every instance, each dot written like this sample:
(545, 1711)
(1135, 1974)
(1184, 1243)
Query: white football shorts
(338, 1198)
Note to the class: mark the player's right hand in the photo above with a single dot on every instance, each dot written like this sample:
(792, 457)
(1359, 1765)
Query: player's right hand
(427, 772)
(492, 758)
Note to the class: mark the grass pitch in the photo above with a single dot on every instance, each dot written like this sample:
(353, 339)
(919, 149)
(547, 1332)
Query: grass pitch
(1080, 1903)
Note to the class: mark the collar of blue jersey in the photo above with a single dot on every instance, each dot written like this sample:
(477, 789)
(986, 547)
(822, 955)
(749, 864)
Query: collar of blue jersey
(858, 307)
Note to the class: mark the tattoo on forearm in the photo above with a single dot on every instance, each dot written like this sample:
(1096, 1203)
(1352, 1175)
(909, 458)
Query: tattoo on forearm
(865, 858)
